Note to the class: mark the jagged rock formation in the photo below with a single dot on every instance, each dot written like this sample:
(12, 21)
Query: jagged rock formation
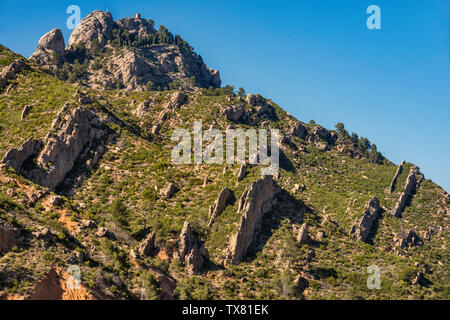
(397, 173)
(50, 44)
(302, 236)
(136, 65)
(70, 135)
(258, 199)
(8, 237)
(191, 251)
(410, 188)
(220, 205)
(9, 72)
(177, 99)
(364, 229)
(97, 25)
(242, 172)
(298, 130)
(409, 239)
(148, 245)
(26, 110)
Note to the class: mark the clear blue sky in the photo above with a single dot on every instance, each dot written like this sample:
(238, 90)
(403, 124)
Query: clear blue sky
(316, 59)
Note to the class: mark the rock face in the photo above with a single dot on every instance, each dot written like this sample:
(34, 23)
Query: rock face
(191, 250)
(298, 130)
(51, 43)
(71, 134)
(8, 237)
(410, 188)
(302, 236)
(97, 25)
(220, 205)
(11, 71)
(15, 158)
(364, 229)
(148, 245)
(397, 173)
(136, 65)
(233, 113)
(177, 100)
(410, 239)
(258, 199)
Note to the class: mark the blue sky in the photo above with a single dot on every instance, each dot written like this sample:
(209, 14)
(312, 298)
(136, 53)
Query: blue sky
(316, 59)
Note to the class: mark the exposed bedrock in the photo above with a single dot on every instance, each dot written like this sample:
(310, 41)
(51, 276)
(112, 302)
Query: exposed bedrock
(365, 228)
(397, 173)
(71, 136)
(257, 200)
(410, 188)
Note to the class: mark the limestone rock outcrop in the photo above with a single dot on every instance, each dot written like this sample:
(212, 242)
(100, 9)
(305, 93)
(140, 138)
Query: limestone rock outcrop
(9, 72)
(191, 251)
(148, 245)
(71, 134)
(302, 236)
(257, 200)
(410, 188)
(169, 191)
(364, 229)
(177, 99)
(298, 130)
(98, 25)
(409, 239)
(136, 65)
(397, 173)
(220, 205)
(50, 44)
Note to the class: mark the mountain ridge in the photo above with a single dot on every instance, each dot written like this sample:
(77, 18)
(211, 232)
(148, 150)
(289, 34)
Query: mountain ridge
(138, 226)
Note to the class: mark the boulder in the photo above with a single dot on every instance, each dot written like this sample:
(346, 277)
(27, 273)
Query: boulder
(258, 199)
(169, 191)
(220, 205)
(56, 201)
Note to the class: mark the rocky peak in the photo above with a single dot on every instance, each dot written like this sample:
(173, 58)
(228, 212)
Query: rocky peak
(97, 25)
(51, 43)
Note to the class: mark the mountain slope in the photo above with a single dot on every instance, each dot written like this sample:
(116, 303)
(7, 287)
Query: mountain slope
(120, 207)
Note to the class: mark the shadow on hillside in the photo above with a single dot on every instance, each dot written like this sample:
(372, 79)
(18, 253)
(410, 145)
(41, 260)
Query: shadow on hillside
(287, 207)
